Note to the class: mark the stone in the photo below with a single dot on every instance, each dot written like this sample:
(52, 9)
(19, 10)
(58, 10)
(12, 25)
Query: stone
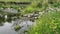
(24, 15)
(17, 27)
(19, 8)
(31, 14)
(1, 8)
(35, 15)
(10, 10)
(1, 15)
(28, 15)
(40, 13)
(5, 16)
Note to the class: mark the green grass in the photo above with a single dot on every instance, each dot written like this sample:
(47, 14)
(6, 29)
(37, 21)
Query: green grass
(47, 24)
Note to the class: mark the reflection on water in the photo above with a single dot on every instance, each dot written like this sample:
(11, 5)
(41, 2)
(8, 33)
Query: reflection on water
(7, 26)
(6, 29)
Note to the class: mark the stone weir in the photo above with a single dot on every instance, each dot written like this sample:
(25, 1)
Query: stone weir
(15, 2)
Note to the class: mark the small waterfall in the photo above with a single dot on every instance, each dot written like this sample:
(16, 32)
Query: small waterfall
(5, 17)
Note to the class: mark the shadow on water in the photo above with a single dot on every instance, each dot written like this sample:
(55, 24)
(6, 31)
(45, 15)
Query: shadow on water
(1, 21)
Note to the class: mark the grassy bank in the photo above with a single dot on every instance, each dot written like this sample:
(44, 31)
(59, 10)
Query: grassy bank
(47, 24)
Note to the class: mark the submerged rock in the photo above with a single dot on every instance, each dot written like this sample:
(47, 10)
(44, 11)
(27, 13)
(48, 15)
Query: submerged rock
(17, 27)
(23, 25)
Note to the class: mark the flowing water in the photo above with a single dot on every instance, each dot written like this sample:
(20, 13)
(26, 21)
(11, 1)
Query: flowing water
(9, 25)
